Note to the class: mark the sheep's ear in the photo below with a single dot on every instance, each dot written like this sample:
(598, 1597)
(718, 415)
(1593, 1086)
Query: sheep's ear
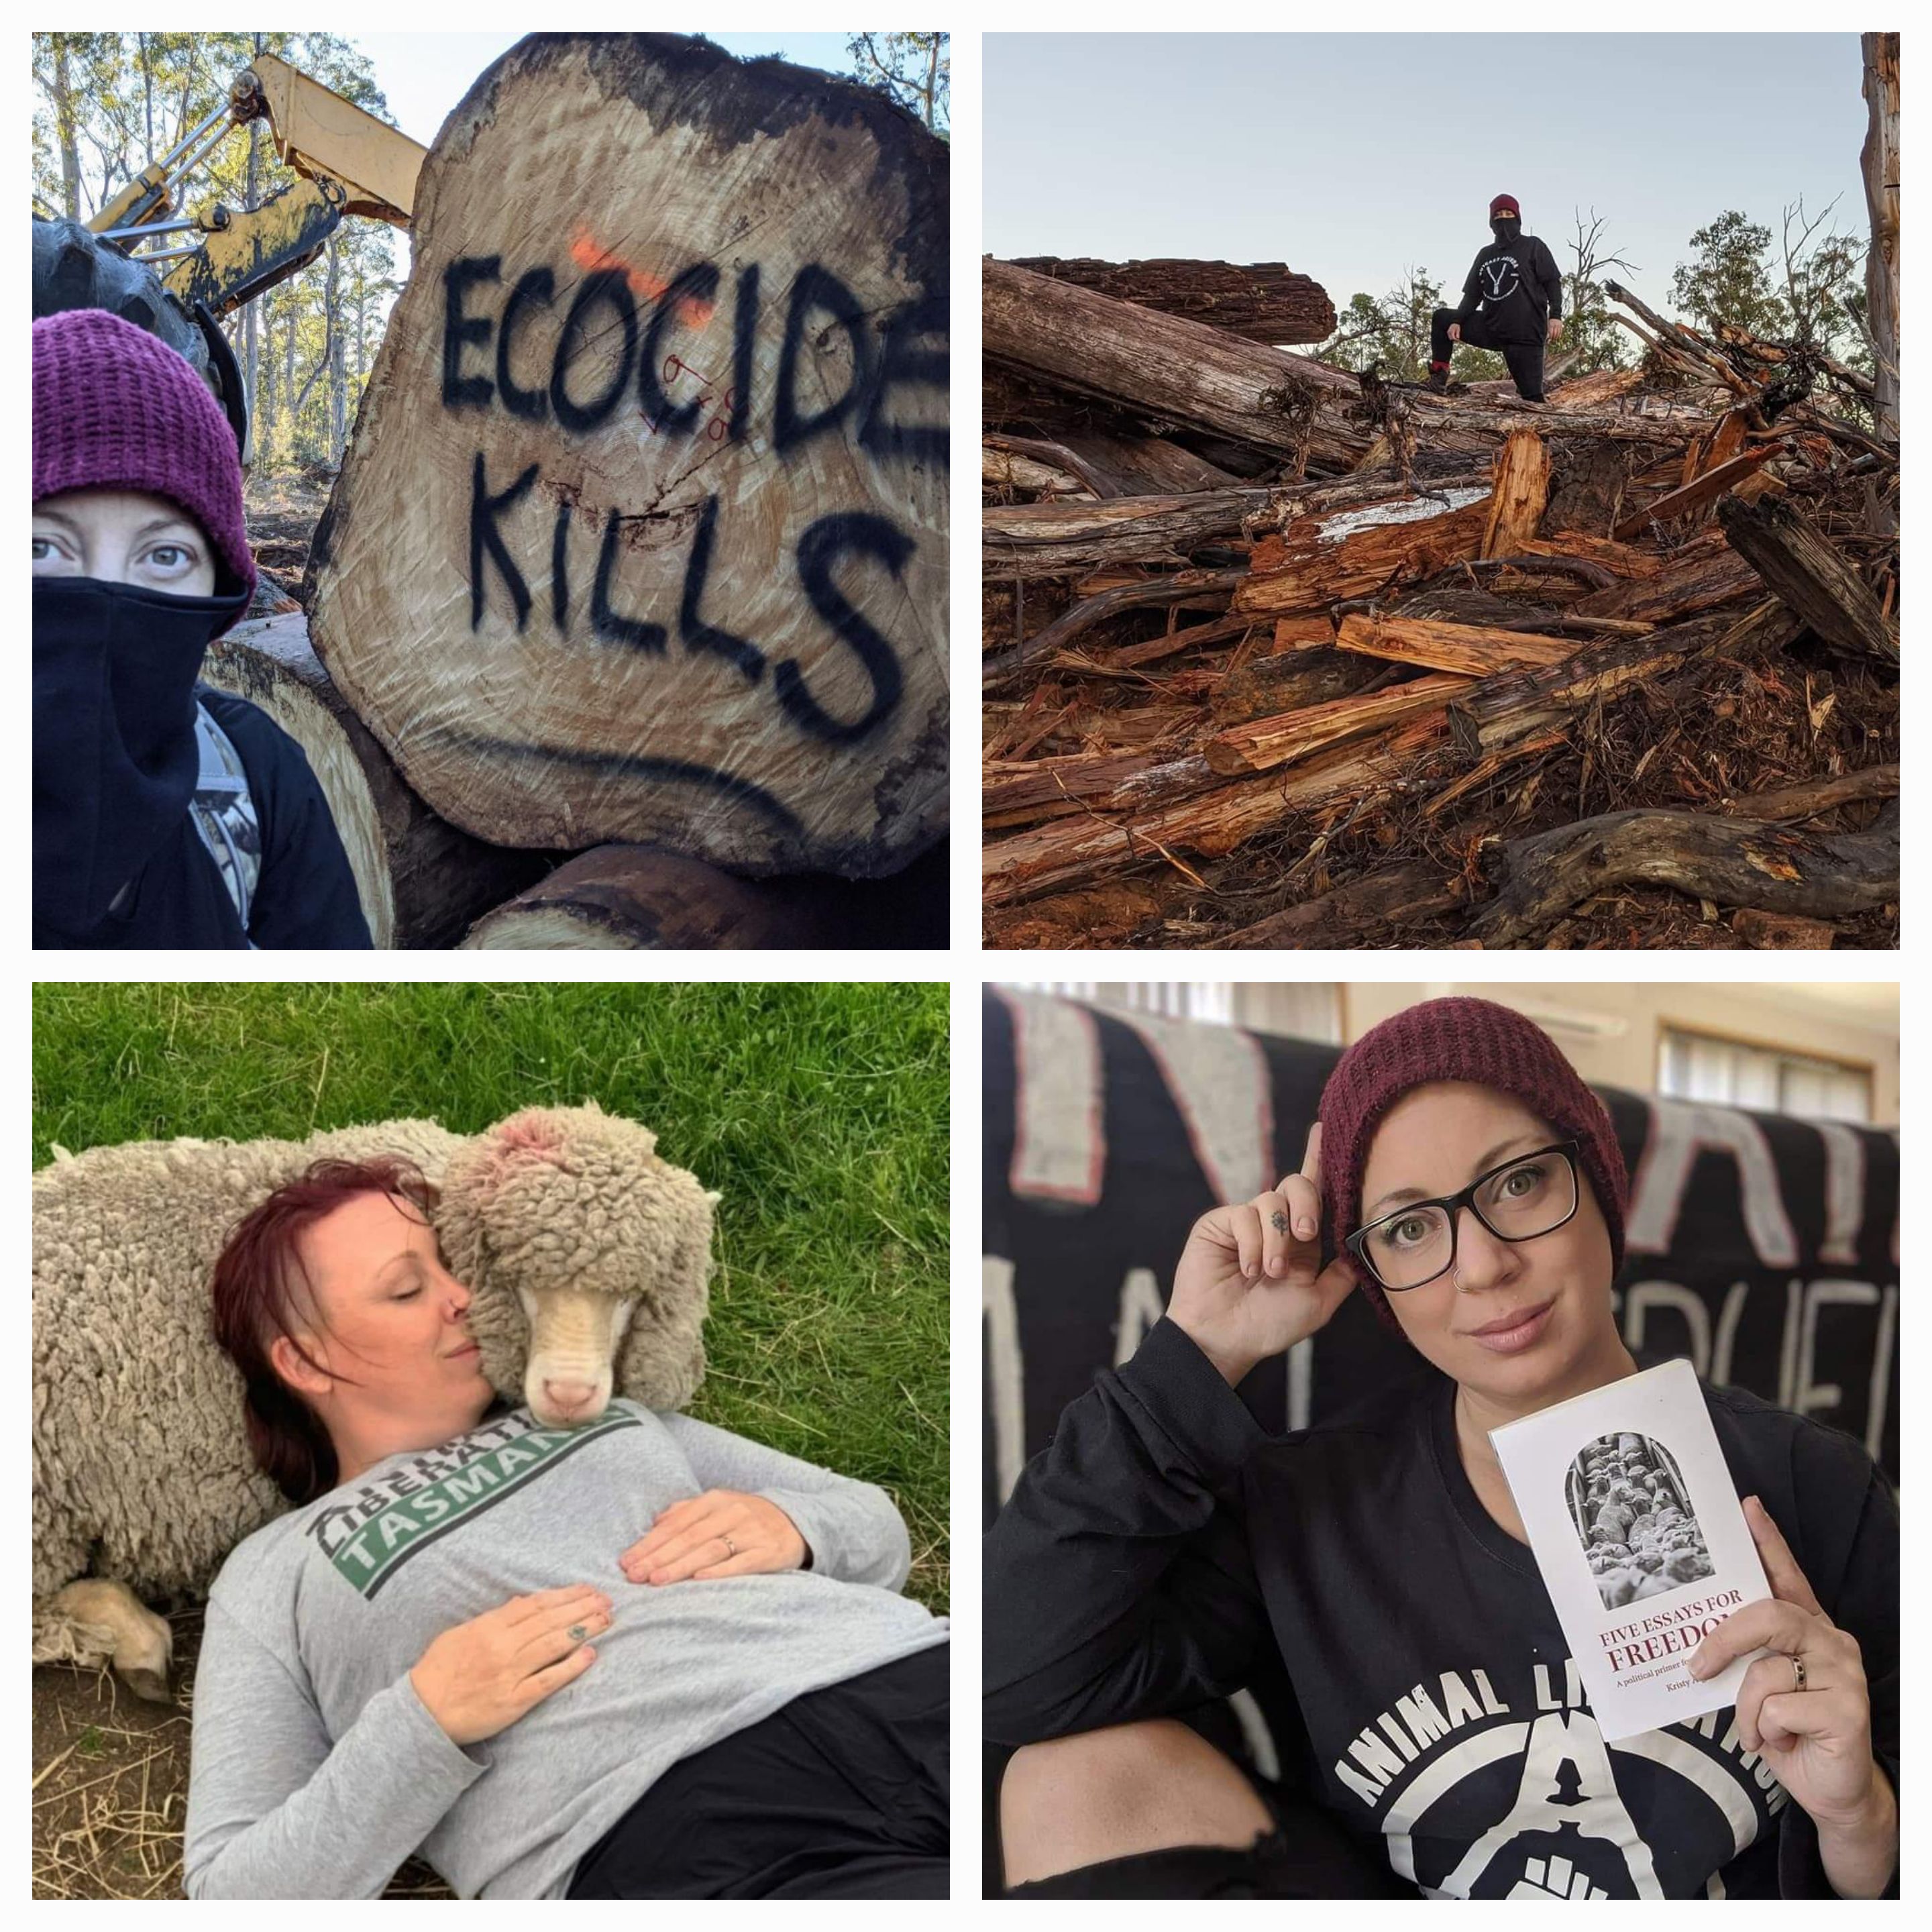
(711, 1194)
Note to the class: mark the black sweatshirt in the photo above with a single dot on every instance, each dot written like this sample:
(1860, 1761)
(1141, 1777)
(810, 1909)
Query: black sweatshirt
(1162, 1552)
(1517, 286)
(306, 894)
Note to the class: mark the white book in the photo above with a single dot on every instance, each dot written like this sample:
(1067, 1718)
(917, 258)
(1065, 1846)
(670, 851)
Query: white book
(1637, 1527)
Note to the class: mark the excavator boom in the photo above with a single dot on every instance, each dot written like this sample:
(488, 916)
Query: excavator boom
(317, 133)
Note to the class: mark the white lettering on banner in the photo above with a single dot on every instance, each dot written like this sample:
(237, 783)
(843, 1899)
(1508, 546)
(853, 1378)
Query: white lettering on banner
(1844, 1193)
(1808, 1399)
(1141, 1308)
(1679, 1131)
(1643, 1296)
(1001, 1317)
(1881, 1374)
(1734, 1297)
(1060, 1138)
(1255, 1729)
(1217, 1077)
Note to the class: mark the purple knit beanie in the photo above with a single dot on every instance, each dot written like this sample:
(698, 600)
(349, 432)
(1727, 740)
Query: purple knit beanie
(1473, 1040)
(116, 408)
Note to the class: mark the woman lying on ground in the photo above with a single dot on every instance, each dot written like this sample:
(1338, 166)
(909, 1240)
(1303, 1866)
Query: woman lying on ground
(165, 814)
(637, 1658)
(1162, 1553)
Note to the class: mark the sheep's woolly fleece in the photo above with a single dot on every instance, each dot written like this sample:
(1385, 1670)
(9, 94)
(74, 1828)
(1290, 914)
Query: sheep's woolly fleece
(141, 1466)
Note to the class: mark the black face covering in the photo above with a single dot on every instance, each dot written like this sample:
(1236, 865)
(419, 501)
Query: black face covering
(1505, 228)
(114, 758)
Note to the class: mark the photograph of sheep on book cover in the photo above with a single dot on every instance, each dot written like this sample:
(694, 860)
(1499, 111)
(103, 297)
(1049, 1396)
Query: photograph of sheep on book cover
(489, 1441)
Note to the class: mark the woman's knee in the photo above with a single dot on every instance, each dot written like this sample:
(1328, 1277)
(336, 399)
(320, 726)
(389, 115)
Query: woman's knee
(1110, 1794)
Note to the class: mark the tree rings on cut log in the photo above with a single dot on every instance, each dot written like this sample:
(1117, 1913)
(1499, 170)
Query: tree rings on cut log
(642, 536)
(632, 898)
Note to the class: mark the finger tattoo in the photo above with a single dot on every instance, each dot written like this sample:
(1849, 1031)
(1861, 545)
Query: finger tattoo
(1279, 1221)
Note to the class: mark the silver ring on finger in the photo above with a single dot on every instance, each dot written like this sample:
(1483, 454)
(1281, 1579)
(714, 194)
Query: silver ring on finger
(731, 1549)
(1798, 1671)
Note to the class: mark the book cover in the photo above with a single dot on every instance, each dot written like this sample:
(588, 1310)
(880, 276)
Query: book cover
(1637, 1528)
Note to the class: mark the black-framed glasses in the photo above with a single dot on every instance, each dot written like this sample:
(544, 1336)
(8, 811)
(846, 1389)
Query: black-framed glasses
(1530, 1195)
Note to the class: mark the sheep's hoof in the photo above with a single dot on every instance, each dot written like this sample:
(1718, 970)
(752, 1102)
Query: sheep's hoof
(150, 1686)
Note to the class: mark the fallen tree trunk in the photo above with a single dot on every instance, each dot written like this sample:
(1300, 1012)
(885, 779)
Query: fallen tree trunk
(420, 880)
(1056, 539)
(1267, 302)
(1178, 370)
(1704, 489)
(1798, 566)
(632, 898)
(1324, 561)
(1878, 163)
(1723, 859)
(642, 534)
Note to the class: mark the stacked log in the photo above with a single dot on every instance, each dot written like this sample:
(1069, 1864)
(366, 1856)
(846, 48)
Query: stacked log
(642, 537)
(1267, 302)
(1431, 669)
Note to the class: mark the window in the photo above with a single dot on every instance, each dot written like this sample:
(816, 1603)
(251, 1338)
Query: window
(1303, 1010)
(1698, 1066)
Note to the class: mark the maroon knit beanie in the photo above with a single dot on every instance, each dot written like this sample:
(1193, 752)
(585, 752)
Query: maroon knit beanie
(1473, 1040)
(1505, 204)
(116, 408)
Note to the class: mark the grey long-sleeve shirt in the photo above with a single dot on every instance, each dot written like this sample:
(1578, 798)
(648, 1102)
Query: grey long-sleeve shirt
(317, 1768)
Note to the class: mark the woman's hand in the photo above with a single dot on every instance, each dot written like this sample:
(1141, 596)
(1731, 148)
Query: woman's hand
(722, 1533)
(1818, 1740)
(1250, 1283)
(1455, 331)
(1555, 327)
(479, 1677)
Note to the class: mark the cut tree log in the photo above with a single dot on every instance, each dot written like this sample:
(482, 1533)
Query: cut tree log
(1267, 302)
(1801, 568)
(1164, 366)
(642, 536)
(1729, 862)
(1033, 540)
(634, 898)
(1468, 650)
(1321, 561)
(1520, 496)
(420, 880)
(1269, 741)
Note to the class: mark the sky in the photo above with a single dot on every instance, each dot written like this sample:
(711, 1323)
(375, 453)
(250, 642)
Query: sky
(423, 76)
(1354, 156)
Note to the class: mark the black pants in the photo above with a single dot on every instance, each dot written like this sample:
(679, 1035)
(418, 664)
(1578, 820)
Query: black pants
(842, 1793)
(1524, 358)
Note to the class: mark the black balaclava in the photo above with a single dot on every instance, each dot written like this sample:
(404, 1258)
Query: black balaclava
(115, 753)
(1506, 228)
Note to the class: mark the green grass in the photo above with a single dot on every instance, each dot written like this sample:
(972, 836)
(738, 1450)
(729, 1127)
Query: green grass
(819, 1111)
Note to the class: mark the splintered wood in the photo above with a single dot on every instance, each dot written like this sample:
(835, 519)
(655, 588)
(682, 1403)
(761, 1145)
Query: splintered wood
(1400, 669)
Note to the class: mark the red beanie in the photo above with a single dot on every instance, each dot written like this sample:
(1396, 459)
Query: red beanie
(1505, 204)
(1473, 1040)
(116, 408)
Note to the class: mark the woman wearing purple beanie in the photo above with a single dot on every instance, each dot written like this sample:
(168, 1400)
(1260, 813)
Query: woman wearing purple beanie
(165, 814)
(1162, 1553)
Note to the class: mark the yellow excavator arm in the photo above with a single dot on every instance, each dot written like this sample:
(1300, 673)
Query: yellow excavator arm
(349, 163)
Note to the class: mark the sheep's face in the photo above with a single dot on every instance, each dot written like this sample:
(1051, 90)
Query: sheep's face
(589, 1255)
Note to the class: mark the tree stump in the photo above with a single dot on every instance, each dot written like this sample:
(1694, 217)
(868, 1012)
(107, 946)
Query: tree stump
(642, 536)
(421, 881)
(632, 898)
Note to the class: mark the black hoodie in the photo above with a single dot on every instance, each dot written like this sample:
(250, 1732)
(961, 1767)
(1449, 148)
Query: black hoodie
(1515, 283)
(1162, 1552)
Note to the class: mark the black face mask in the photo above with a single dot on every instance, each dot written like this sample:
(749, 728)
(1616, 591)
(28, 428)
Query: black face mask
(1505, 228)
(115, 756)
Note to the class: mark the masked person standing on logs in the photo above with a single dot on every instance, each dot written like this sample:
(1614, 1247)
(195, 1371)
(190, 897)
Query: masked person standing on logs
(1512, 301)
(165, 814)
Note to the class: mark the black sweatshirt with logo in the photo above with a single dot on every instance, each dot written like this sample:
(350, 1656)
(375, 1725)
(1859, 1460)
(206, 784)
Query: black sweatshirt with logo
(1517, 286)
(1162, 1552)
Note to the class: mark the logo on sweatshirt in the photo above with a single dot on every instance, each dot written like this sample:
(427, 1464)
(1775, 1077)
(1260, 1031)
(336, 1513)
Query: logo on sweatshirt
(369, 1540)
(1480, 1797)
(1501, 278)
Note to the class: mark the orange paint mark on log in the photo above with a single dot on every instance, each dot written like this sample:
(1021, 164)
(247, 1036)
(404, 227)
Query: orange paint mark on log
(590, 256)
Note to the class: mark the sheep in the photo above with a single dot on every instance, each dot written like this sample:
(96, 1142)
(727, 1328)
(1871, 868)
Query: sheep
(589, 1258)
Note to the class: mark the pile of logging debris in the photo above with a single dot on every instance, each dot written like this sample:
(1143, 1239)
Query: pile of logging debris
(1276, 654)
(625, 626)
